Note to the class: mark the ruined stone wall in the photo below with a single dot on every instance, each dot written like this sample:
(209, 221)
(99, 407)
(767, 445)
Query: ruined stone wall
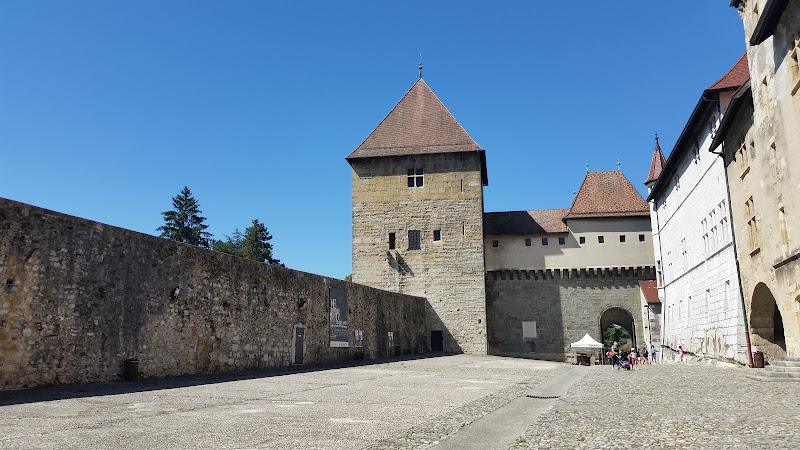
(448, 272)
(564, 304)
(80, 297)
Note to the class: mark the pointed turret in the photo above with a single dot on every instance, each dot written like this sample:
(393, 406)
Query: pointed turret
(656, 165)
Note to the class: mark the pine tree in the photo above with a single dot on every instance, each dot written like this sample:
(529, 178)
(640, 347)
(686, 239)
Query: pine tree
(253, 244)
(184, 223)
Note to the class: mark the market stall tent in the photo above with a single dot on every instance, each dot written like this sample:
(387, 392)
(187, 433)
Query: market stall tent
(586, 342)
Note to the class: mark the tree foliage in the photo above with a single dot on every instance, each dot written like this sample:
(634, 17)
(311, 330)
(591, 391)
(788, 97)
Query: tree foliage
(184, 223)
(615, 333)
(253, 244)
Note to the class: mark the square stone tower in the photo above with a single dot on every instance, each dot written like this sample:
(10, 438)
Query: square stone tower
(418, 216)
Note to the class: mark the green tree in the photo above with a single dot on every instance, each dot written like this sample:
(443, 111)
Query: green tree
(615, 333)
(253, 244)
(184, 223)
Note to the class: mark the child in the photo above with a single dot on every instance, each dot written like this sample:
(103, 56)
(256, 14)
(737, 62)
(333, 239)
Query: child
(680, 352)
(634, 359)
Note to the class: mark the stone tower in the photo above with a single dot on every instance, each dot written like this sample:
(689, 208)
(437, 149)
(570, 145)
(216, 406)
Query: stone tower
(418, 216)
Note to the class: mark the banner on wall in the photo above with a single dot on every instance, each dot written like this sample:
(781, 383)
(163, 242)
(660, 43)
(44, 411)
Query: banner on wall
(338, 318)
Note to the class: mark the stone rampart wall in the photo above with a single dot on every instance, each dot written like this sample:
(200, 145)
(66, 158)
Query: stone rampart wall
(565, 304)
(78, 298)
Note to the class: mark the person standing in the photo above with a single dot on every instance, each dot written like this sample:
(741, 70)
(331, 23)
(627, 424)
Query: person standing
(680, 352)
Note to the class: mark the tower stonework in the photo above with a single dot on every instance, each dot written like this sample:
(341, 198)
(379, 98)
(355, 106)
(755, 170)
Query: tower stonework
(418, 217)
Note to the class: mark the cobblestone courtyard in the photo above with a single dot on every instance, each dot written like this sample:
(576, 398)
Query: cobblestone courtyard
(414, 403)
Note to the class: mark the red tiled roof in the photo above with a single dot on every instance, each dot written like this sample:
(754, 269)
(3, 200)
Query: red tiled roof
(656, 165)
(418, 124)
(542, 221)
(736, 76)
(650, 290)
(607, 194)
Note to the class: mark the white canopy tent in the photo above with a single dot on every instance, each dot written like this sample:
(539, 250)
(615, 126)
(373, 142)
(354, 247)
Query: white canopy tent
(586, 342)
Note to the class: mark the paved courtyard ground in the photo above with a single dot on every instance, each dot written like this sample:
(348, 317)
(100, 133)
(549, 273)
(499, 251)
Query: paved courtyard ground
(448, 402)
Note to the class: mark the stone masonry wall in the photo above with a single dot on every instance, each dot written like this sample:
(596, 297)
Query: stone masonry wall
(80, 297)
(448, 272)
(564, 304)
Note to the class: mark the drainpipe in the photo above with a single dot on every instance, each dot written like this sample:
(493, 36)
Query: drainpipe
(663, 304)
(736, 258)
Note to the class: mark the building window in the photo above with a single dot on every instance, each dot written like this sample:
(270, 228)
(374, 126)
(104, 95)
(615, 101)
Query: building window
(752, 225)
(622, 238)
(600, 239)
(359, 338)
(562, 241)
(391, 241)
(413, 240)
(414, 177)
(784, 232)
(544, 241)
(794, 59)
(495, 243)
(437, 235)
(582, 239)
(527, 242)
(641, 238)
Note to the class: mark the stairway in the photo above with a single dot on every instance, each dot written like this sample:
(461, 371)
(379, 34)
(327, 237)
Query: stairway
(788, 370)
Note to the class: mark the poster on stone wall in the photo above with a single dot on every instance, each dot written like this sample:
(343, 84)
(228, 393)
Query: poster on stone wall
(338, 318)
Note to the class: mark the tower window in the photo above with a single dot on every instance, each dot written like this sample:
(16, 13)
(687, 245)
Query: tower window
(622, 238)
(562, 241)
(641, 238)
(544, 241)
(437, 235)
(415, 177)
(600, 239)
(391, 241)
(495, 243)
(582, 239)
(413, 240)
(527, 242)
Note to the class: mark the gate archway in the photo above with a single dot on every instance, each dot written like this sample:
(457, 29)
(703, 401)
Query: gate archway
(621, 317)
(766, 322)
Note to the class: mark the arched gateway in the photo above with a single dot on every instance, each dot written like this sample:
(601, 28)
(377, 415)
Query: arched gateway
(621, 317)
(766, 324)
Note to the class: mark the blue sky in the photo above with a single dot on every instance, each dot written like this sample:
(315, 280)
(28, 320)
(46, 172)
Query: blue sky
(107, 109)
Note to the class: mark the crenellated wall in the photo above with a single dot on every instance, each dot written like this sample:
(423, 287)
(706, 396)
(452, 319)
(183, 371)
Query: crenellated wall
(79, 297)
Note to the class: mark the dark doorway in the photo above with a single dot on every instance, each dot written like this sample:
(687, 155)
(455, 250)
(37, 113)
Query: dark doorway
(766, 321)
(299, 334)
(437, 341)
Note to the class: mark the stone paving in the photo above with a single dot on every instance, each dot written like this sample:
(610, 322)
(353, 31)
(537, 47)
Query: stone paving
(411, 403)
(670, 406)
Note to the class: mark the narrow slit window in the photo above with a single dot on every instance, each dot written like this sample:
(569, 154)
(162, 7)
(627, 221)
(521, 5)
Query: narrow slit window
(437, 235)
(391, 241)
(582, 239)
(622, 238)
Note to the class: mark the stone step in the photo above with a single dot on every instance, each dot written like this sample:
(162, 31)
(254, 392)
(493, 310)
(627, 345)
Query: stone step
(793, 358)
(773, 379)
(779, 374)
(787, 363)
(781, 368)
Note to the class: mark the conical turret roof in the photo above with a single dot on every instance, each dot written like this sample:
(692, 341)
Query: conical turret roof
(418, 124)
(656, 165)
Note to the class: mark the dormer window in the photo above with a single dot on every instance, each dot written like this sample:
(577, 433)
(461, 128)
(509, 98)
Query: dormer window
(415, 177)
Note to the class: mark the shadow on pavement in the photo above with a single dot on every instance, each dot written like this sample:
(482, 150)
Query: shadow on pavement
(72, 391)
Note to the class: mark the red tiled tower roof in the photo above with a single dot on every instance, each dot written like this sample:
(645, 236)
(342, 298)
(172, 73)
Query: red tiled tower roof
(650, 290)
(515, 223)
(735, 77)
(418, 124)
(656, 165)
(607, 194)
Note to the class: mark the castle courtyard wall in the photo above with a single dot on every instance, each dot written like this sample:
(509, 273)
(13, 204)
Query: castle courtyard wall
(78, 298)
(564, 304)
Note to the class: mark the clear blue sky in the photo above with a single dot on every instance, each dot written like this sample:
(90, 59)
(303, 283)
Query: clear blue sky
(107, 109)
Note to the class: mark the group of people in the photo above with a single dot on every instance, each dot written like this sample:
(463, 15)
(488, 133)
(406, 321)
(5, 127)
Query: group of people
(629, 360)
